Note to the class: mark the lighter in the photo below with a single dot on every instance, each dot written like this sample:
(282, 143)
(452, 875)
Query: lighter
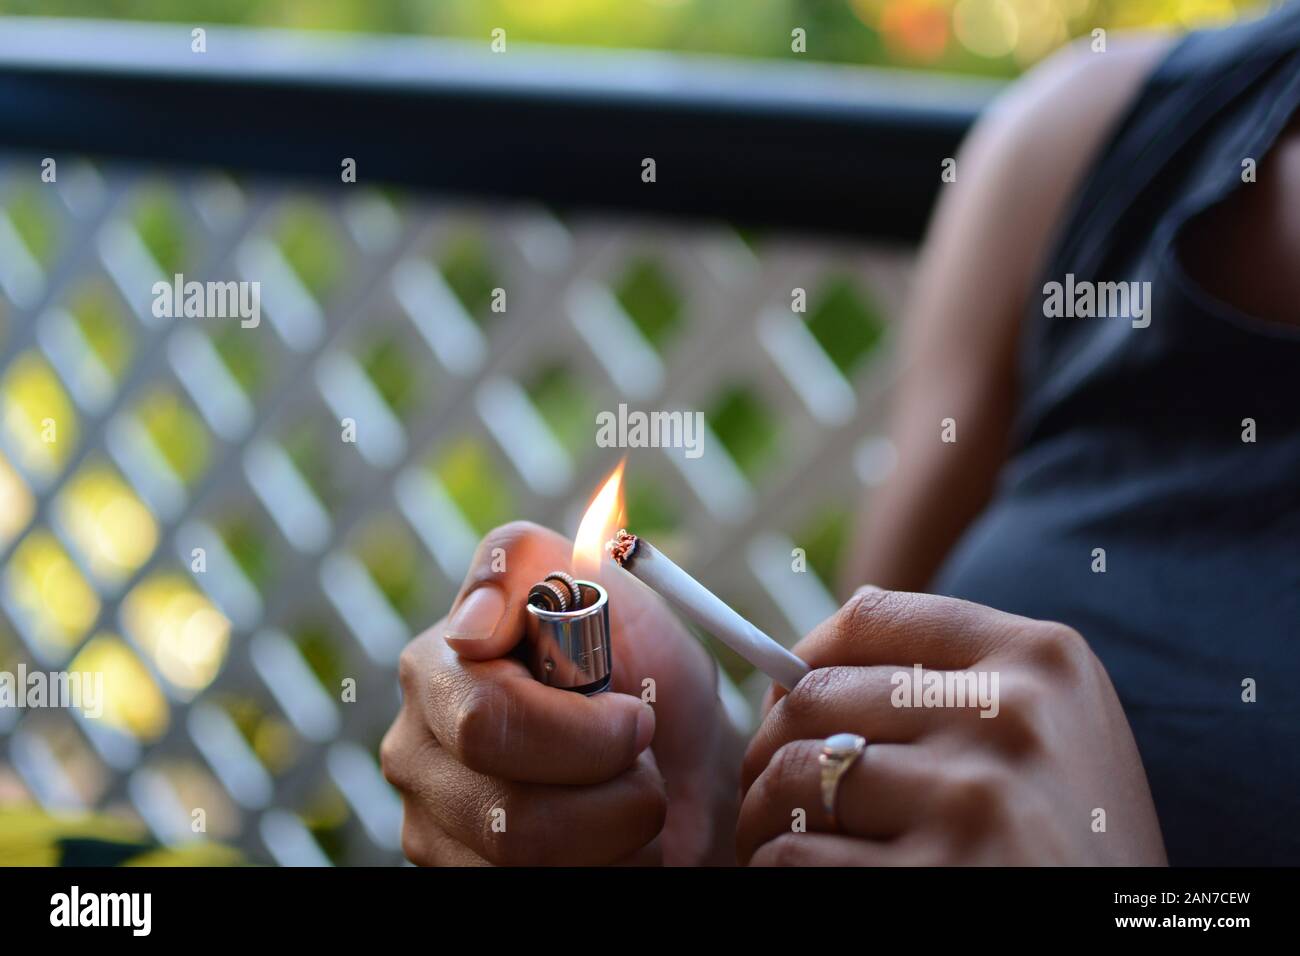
(567, 634)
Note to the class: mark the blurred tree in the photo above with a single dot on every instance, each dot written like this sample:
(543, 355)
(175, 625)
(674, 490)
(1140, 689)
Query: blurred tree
(999, 37)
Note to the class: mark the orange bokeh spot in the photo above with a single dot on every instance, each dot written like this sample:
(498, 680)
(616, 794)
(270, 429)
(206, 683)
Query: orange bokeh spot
(915, 29)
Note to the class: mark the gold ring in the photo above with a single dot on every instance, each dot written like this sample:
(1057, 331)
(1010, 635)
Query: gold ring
(839, 752)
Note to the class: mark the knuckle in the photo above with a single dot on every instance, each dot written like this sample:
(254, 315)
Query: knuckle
(513, 531)
(399, 756)
(791, 767)
(521, 842)
(974, 799)
(390, 758)
(481, 724)
(1021, 697)
(1055, 647)
(408, 672)
(1019, 724)
(1019, 735)
(508, 537)
(866, 604)
(811, 695)
(415, 847)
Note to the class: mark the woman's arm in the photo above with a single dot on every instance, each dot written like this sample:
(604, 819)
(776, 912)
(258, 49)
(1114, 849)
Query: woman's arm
(987, 242)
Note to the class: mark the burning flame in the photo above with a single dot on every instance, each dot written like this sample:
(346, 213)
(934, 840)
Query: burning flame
(604, 516)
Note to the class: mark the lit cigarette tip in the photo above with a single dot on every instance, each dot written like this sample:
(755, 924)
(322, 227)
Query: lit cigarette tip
(622, 547)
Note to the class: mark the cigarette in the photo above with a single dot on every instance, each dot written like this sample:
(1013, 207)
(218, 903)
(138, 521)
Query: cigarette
(700, 605)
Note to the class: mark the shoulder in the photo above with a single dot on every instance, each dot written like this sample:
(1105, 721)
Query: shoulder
(1022, 163)
(1016, 173)
(1048, 127)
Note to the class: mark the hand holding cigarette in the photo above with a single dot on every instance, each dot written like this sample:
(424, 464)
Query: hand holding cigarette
(937, 782)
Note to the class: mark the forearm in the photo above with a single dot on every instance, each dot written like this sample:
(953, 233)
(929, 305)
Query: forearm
(908, 526)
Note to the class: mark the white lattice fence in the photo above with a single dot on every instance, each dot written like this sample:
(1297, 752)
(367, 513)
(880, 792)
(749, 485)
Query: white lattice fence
(320, 557)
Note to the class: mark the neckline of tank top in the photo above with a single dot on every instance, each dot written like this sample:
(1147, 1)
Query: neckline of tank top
(1170, 229)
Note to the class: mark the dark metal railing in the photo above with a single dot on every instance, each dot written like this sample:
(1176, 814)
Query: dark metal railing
(820, 148)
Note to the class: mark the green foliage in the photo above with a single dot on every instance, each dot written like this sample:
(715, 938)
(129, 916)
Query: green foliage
(649, 510)
(392, 557)
(310, 456)
(161, 226)
(845, 325)
(647, 295)
(243, 356)
(466, 265)
(321, 650)
(36, 225)
(475, 485)
(565, 406)
(245, 539)
(100, 318)
(309, 240)
(177, 433)
(391, 369)
(270, 737)
(824, 540)
(326, 815)
(746, 428)
(879, 32)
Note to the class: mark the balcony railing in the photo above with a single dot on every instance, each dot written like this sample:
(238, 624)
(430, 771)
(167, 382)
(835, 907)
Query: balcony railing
(200, 528)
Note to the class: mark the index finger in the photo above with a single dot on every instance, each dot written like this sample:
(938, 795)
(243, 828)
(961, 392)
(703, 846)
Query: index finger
(487, 617)
(898, 627)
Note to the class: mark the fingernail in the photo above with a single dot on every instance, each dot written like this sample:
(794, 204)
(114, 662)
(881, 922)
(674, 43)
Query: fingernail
(645, 728)
(476, 618)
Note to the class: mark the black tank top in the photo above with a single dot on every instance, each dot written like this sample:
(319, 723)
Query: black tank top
(1129, 441)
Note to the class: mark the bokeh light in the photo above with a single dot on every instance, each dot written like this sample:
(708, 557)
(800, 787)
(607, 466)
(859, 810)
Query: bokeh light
(133, 701)
(39, 420)
(108, 524)
(51, 594)
(994, 37)
(988, 28)
(17, 504)
(916, 30)
(177, 626)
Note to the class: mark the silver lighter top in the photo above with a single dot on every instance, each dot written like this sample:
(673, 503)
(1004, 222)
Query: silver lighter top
(567, 634)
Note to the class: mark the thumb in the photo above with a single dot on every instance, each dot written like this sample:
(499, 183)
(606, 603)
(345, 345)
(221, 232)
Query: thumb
(487, 618)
